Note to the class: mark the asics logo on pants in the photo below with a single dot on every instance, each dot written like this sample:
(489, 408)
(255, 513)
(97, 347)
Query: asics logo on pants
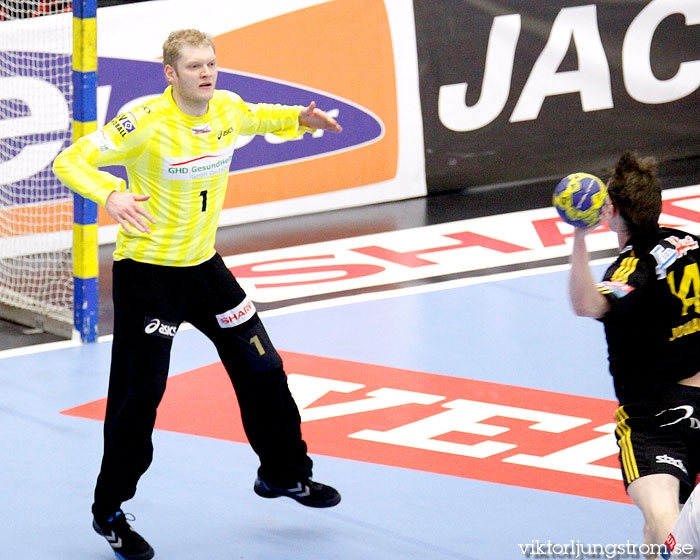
(159, 328)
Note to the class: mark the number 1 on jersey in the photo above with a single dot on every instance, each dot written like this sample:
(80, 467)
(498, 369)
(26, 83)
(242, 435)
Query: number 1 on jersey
(203, 194)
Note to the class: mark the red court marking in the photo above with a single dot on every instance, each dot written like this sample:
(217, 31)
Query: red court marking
(201, 402)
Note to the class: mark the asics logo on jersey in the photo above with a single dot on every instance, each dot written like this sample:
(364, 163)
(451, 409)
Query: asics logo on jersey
(159, 328)
(223, 133)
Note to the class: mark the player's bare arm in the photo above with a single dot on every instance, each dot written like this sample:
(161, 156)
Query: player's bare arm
(586, 300)
(312, 117)
(125, 209)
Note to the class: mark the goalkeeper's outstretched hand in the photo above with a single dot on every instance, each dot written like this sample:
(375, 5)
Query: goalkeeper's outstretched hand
(311, 117)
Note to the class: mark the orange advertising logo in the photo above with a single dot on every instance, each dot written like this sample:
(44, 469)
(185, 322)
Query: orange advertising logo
(353, 60)
(348, 69)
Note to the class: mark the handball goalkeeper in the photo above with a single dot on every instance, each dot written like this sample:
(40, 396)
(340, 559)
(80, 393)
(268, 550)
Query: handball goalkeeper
(177, 150)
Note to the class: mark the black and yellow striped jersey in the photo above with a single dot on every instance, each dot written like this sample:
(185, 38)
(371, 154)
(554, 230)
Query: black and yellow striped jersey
(653, 327)
(181, 161)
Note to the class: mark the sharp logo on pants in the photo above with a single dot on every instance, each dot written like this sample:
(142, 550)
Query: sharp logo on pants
(159, 328)
(238, 315)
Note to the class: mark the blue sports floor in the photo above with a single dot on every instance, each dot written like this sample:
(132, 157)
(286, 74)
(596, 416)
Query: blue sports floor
(196, 501)
(446, 389)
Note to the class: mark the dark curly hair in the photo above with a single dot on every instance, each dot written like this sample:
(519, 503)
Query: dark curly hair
(635, 191)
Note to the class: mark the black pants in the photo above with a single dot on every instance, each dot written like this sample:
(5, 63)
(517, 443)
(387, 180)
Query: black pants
(661, 436)
(150, 302)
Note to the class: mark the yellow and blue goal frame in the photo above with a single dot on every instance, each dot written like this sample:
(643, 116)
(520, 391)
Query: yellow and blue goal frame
(85, 252)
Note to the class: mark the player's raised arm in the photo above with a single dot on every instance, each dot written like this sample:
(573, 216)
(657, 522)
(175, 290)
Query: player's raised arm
(585, 298)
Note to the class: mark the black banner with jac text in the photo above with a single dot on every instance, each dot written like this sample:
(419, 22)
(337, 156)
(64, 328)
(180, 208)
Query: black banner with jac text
(516, 91)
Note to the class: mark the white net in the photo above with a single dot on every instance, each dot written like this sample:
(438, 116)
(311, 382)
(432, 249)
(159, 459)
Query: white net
(36, 211)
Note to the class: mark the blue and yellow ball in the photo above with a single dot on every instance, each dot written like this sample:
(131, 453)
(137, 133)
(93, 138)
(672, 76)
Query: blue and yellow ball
(579, 199)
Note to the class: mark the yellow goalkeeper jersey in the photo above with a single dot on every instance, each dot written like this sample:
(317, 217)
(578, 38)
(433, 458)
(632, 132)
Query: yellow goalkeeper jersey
(181, 161)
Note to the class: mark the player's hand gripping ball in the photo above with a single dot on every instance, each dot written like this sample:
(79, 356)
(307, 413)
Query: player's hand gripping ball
(579, 199)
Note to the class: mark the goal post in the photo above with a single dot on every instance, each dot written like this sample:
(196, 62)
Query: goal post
(85, 250)
(48, 238)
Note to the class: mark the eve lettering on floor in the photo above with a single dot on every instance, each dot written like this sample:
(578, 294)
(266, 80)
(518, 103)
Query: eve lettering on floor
(462, 416)
(423, 421)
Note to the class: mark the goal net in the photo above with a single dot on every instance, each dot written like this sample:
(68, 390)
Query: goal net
(36, 210)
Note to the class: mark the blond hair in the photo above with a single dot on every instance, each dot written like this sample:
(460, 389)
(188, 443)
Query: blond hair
(172, 48)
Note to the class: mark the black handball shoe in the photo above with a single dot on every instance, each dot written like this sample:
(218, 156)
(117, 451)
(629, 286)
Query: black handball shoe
(126, 543)
(306, 492)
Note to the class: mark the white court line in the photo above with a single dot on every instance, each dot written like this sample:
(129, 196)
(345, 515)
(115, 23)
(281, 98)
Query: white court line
(333, 302)
(432, 287)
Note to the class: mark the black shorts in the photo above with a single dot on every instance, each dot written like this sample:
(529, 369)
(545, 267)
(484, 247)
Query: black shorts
(661, 437)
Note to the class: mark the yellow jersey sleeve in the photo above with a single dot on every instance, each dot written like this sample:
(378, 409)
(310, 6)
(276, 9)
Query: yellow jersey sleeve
(260, 118)
(77, 165)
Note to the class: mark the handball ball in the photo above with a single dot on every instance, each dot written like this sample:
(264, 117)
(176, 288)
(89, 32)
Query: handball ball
(579, 198)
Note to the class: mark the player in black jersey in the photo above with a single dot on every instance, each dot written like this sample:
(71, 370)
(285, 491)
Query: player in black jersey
(649, 304)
